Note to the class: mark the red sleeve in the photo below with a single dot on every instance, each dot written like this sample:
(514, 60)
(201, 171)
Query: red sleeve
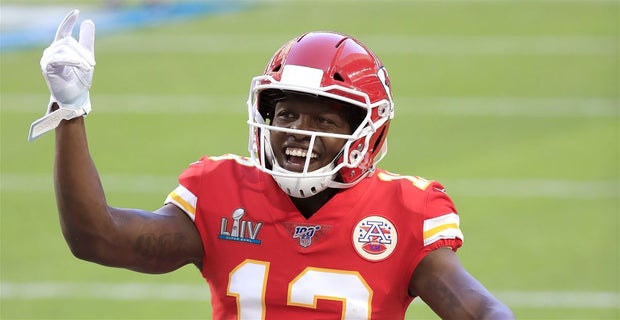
(439, 222)
(185, 194)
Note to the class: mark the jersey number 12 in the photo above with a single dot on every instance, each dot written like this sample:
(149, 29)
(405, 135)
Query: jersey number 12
(305, 290)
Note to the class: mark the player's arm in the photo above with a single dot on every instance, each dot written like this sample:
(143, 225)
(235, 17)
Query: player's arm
(129, 238)
(446, 287)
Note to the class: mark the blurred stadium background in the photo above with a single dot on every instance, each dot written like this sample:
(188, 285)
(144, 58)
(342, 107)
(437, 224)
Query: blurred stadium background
(512, 105)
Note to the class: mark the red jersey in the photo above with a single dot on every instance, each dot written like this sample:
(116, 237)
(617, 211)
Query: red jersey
(351, 260)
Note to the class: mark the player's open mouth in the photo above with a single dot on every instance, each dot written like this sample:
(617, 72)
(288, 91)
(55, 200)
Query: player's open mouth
(295, 159)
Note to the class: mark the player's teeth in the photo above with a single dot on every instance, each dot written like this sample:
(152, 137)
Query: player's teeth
(299, 153)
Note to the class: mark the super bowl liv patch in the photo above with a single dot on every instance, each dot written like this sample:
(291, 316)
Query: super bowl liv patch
(240, 230)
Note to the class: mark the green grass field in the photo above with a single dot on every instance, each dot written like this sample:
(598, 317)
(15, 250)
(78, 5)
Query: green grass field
(512, 105)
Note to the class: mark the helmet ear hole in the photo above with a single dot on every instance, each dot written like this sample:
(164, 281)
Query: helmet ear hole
(354, 156)
(338, 77)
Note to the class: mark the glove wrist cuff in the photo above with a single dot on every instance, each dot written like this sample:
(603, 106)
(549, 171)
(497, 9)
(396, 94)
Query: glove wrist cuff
(52, 119)
(85, 107)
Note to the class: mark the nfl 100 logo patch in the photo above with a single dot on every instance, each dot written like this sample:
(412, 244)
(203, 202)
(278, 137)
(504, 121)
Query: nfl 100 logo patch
(375, 238)
(306, 234)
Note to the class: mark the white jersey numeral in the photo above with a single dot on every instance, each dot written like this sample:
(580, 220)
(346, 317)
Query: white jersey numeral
(247, 283)
(418, 182)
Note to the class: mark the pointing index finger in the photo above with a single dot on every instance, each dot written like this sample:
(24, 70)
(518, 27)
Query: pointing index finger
(66, 26)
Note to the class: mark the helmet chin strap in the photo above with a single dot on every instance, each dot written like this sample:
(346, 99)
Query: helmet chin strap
(301, 187)
(296, 184)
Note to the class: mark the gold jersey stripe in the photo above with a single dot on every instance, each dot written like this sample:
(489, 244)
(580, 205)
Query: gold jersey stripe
(442, 227)
(180, 201)
(436, 230)
(184, 199)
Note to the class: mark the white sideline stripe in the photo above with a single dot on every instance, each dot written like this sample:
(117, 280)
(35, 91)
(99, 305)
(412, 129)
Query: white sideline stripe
(385, 44)
(561, 299)
(533, 188)
(510, 188)
(189, 292)
(104, 291)
(509, 107)
(170, 104)
(134, 184)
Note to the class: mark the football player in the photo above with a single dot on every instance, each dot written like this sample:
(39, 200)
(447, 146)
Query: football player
(307, 226)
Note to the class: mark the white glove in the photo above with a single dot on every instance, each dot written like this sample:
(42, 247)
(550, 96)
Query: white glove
(67, 67)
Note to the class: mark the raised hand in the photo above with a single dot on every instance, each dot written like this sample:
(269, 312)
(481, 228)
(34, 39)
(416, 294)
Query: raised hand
(67, 66)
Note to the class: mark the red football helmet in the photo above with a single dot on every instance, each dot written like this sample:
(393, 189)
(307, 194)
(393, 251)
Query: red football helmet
(334, 66)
